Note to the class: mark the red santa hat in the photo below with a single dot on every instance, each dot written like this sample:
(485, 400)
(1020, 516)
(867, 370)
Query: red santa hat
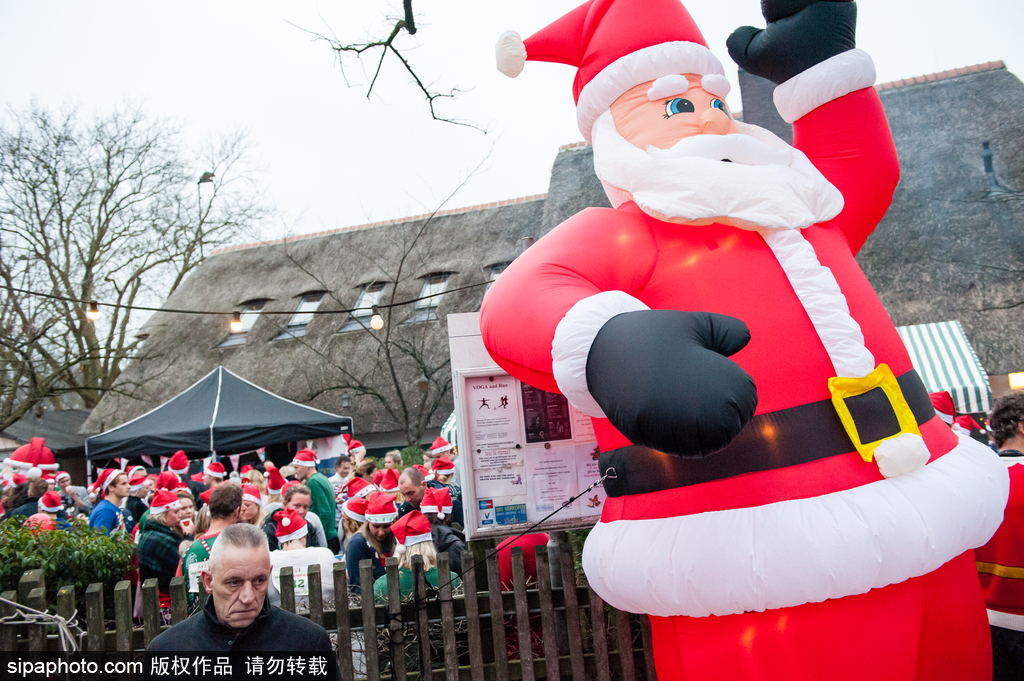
(136, 471)
(216, 469)
(50, 503)
(357, 487)
(169, 481)
(136, 483)
(275, 481)
(440, 446)
(290, 483)
(17, 479)
(107, 476)
(33, 458)
(164, 500)
(245, 469)
(381, 508)
(429, 502)
(196, 477)
(389, 481)
(355, 509)
(443, 498)
(252, 493)
(305, 457)
(443, 466)
(422, 469)
(616, 45)
(61, 475)
(290, 525)
(205, 496)
(178, 463)
(356, 448)
(943, 403)
(412, 528)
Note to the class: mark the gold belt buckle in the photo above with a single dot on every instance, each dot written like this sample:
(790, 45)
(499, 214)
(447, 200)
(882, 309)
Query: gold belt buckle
(882, 377)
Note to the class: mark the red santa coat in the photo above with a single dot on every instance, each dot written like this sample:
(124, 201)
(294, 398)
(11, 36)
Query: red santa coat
(754, 543)
(1000, 562)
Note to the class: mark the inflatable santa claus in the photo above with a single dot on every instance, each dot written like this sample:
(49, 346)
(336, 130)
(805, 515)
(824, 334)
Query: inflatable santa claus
(783, 501)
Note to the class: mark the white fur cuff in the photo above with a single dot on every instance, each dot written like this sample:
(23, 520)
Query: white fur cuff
(831, 79)
(573, 338)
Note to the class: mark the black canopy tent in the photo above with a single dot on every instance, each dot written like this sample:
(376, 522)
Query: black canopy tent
(220, 413)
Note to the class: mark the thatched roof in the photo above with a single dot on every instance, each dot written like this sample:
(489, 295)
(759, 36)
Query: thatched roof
(944, 251)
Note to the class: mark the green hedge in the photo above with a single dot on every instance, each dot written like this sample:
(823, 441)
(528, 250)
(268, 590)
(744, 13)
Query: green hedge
(77, 556)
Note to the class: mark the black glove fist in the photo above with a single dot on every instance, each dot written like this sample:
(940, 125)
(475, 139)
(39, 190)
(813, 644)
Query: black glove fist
(800, 34)
(664, 379)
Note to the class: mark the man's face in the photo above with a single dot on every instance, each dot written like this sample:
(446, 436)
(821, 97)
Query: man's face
(411, 492)
(665, 120)
(343, 469)
(210, 481)
(120, 485)
(299, 503)
(238, 585)
(303, 473)
(379, 531)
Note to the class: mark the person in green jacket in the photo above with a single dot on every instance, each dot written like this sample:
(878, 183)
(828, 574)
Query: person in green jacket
(322, 501)
(412, 534)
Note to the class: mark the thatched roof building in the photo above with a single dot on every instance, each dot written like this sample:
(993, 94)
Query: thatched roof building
(949, 248)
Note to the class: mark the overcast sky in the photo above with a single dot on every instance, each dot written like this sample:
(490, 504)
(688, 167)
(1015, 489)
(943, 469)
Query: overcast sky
(331, 157)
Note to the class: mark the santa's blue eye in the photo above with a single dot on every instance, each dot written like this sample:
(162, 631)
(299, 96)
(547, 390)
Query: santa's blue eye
(678, 105)
(719, 104)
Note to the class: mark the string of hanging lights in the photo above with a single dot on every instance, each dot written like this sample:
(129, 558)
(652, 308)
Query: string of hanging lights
(92, 307)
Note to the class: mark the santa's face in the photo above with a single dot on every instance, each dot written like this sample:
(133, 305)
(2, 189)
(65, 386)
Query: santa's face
(674, 149)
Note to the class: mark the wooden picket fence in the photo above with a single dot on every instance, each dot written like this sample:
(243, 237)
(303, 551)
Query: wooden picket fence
(543, 632)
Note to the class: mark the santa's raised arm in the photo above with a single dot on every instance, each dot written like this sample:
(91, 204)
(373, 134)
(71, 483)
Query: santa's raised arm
(781, 477)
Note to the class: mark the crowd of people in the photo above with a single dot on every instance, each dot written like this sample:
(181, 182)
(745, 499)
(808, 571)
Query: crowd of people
(306, 518)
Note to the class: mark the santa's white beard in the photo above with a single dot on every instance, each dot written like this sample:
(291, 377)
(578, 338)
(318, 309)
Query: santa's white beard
(768, 184)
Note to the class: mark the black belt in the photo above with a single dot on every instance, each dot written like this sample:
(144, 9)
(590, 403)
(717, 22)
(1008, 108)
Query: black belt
(774, 440)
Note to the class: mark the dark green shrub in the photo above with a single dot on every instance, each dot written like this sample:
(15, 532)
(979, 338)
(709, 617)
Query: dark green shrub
(77, 556)
(413, 454)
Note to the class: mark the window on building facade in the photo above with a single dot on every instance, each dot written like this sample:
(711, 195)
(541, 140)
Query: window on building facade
(250, 313)
(425, 309)
(494, 270)
(308, 304)
(359, 318)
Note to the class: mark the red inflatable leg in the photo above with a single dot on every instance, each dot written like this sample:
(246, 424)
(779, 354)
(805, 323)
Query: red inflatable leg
(930, 628)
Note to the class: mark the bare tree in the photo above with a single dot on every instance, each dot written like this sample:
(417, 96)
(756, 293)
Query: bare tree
(382, 47)
(106, 210)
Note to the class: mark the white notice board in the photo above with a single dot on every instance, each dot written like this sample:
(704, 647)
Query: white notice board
(523, 452)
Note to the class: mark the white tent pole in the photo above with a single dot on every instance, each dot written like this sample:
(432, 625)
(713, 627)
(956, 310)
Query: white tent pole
(216, 407)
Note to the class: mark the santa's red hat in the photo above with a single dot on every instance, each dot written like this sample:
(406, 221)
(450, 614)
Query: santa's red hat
(412, 528)
(290, 483)
(169, 481)
(943, 403)
(275, 481)
(178, 463)
(355, 509)
(196, 477)
(389, 481)
(136, 483)
(245, 469)
(616, 45)
(429, 502)
(290, 525)
(443, 499)
(305, 457)
(422, 469)
(33, 458)
(205, 496)
(356, 448)
(357, 487)
(215, 469)
(163, 501)
(443, 466)
(50, 503)
(440, 446)
(107, 476)
(381, 508)
(136, 471)
(252, 493)
(378, 476)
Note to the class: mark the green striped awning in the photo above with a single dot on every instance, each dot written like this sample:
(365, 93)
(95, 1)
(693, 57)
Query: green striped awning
(945, 360)
(449, 432)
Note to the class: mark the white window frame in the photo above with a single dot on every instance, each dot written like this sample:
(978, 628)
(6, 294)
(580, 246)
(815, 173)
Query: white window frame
(308, 304)
(249, 314)
(369, 296)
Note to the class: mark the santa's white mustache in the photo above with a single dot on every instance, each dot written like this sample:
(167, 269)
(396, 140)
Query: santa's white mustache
(737, 148)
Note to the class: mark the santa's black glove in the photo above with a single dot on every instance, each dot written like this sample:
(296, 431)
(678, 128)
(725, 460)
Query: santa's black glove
(664, 379)
(800, 34)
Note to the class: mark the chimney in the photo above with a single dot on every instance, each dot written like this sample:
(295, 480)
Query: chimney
(759, 106)
(995, 189)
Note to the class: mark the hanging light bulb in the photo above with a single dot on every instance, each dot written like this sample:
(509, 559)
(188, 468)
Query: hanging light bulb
(93, 312)
(236, 322)
(376, 321)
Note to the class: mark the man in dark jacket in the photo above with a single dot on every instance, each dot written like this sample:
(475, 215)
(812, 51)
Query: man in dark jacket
(238, 616)
(36, 489)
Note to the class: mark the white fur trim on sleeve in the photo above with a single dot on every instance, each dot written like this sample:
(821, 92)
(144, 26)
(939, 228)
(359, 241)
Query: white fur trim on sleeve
(831, 79)
(573, 337)
(510, 54)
